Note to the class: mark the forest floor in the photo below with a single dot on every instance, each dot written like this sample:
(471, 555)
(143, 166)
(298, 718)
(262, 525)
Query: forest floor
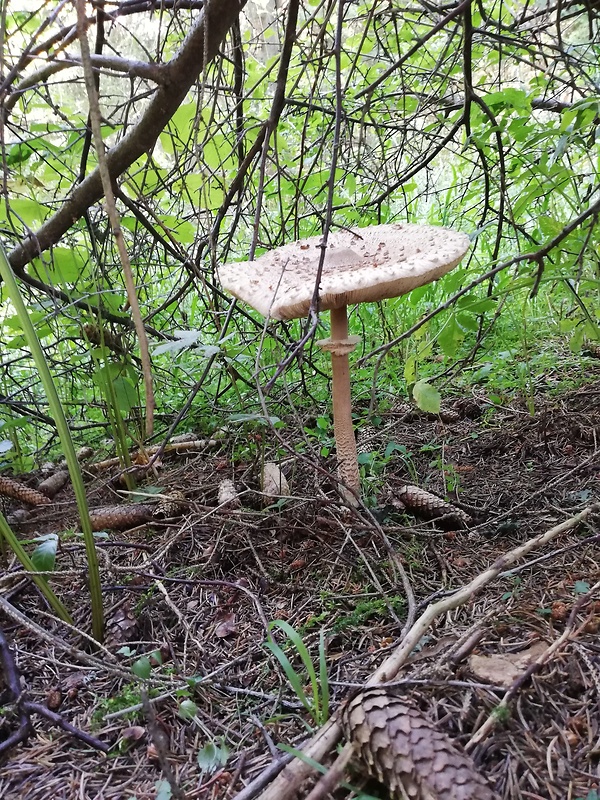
(195, 593)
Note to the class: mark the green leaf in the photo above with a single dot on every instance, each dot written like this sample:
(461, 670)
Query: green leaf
(392, 447)
(187, 709)
(142, 668)
(426, 397)
(450, 337)
(211, 757)
(126, 393)
(18, 154)
(44, 555)
(163, 790)
(516, 98)
(410, 369)
(581, 587)
(576, 340)
(68, 265)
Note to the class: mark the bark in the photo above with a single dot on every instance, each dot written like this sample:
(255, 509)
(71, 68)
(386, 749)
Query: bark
(204, 40)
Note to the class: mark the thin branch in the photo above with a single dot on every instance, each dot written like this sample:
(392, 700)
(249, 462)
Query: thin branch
(180, 73)
(113, 215)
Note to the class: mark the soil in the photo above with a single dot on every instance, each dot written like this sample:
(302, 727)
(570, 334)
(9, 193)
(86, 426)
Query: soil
(195, 593)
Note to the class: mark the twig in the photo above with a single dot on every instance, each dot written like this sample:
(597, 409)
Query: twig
(160, 745)
(265, 776)
(25, 707)
(286, 784)
(534, 667)
(333, 776)
(56, 719)
(113, 214)
(76, 654)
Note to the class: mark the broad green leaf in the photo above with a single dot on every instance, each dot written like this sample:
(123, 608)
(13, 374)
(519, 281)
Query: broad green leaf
(142, 667)
(581, 587)
(18, 154)
(516, 98)
(44, 555)
(187, 709)
(410, 369)
(450, 337)
(426, 397)
(211, 757)
(163, 790)
(576, 340)
(126, 393)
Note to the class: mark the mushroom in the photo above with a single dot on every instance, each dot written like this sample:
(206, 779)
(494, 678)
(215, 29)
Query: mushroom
(361, 265)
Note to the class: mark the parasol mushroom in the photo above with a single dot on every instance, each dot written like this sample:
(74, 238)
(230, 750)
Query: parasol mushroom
(361, 265)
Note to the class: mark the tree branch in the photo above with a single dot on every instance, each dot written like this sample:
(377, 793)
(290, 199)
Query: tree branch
(179, 74)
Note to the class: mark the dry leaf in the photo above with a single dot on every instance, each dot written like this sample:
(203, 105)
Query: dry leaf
(503, 670)
(227, 494)
(120, 626)
(273, 481)
(226, 626)
(132, 734)
(54, 699)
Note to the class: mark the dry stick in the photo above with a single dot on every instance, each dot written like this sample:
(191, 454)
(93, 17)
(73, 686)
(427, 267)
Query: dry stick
(160, 745)
(334, 774)
(113, 214)
(26, 707)
(539, 662)
(61, 722)
(328, 736)
(76, 654)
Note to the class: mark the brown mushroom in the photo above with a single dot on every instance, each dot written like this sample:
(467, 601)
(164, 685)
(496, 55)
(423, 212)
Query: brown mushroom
(362, 265)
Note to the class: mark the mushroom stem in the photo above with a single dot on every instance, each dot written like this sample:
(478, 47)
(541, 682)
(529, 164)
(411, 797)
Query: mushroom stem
(343, 429)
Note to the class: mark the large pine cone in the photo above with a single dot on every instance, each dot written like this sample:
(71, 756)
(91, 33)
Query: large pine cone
(404, 751)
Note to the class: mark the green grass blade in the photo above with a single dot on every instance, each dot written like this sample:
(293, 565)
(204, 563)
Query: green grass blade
(302, 650)
(294, 679)
(40, 581)
(324, 679)
(65, 438)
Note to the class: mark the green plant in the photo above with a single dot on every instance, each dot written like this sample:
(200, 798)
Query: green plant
(317, 703)
(67, 444)
(41, 582)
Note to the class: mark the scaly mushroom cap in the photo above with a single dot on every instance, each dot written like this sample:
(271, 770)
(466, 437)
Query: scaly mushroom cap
(363, 265)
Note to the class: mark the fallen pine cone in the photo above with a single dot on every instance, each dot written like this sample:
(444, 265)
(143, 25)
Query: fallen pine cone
(18, 491)
(227, 495)
(120, 517)
(173, 504)
(427, 505)
(403, 750)
(54, 483)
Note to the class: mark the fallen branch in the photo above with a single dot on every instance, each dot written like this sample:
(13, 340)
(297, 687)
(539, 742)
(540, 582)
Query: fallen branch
(290, 779)
(25, 708)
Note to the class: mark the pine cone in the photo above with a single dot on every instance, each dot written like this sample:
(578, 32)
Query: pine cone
(427, 505)
(366, 439)
(120, 517)
(54, 483)
(404, 751)
(18, 491)
(172, 505)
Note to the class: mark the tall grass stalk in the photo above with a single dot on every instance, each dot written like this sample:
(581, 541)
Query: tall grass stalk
(66, 442)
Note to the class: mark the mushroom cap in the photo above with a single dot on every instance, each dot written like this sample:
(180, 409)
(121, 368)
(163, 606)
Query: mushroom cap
(361, 265)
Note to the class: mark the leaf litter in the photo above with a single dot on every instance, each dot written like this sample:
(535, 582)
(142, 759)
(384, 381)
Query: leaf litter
(191, 598)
